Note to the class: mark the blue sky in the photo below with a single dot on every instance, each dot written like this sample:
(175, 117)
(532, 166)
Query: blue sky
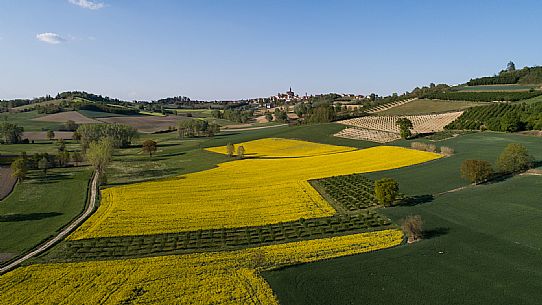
(232, 49)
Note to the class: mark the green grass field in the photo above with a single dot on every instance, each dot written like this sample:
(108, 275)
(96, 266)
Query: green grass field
(31, 106)
(41, 146)
(482, 248)
(430, 106)
(38, 207)
(482, 244)
(443, 174)
(24, 119)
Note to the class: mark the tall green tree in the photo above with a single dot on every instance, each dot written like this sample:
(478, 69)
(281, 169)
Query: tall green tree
(19, 169)
(476, 171)
(386, 191)
(514, 158)
(99, 155)
(50, 134)
(119, 135)
(11, 133)
(404, 127)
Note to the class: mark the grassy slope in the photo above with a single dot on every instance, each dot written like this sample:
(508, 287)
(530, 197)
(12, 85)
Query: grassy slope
(442, 175)
(430, 106)
(487, 236)
(53, 102)
(41, 146)
(24, 119)
(484, 250)
(39, 207)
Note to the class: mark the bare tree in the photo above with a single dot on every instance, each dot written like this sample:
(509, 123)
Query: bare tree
(230, 150)
(149, 146)
(413, 228)
(241, 152)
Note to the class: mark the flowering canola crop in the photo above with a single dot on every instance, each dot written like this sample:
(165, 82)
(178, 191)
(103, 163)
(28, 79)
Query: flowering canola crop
(276, 147)
(202, 278)
(248, 192)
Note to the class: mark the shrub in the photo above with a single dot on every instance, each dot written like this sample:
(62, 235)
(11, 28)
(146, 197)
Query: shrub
(447, 151)
(476, 171)
(241, 152)
(424, 147)
(230, 149)
(515, 158)
(413, 228)
(386, 190)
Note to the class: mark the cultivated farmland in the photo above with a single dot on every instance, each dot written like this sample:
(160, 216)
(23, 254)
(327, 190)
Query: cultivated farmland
(63, 117)
(422, 123)
(217, 278)
(383, 129)
(378, 136)
(237, 193)
(145, 124)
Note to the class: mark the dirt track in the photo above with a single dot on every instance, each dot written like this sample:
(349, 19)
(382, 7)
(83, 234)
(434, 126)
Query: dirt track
(62, 234)
(7, 182)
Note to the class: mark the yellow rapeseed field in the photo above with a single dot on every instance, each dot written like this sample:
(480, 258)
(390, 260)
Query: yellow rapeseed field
(249, 192)
(276, 147)
(203, 278)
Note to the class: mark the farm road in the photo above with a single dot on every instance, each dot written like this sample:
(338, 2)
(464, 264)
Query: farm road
(62, 234)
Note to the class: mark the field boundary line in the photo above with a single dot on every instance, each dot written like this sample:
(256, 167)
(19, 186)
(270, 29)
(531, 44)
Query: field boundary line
(89, 209)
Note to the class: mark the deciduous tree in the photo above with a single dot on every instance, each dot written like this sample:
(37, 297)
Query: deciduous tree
(240, 152)
(413, 228)
(50, 134)
(386, 190)
(230, 150)
(515, 158)
(476, 171)
(149, 146)
(404, 126)
(19, 169)
(99, 156)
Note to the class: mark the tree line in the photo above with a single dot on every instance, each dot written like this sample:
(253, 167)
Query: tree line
(196, 128)
(514, 159)
(527, 75)
(482, 96)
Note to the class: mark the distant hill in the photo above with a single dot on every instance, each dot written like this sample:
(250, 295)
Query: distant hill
(527, 75)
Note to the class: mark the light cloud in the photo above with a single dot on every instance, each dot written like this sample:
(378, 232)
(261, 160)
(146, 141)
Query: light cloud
(51, 38)
(91, 5)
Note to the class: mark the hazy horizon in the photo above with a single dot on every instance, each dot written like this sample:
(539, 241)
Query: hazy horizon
(213, 50)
